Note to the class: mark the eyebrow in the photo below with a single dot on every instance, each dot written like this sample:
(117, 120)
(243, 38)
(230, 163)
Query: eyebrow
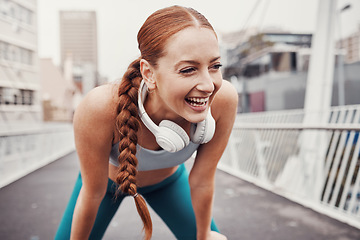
(194, 62)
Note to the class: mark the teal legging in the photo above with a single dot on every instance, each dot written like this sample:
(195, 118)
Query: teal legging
(170, 199)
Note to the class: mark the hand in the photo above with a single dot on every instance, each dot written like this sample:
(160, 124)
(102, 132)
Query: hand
(216, 236)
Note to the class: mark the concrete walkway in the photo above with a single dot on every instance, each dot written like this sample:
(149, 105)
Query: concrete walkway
(31, 209)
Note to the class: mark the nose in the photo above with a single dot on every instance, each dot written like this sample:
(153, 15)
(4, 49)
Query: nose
(206, 83)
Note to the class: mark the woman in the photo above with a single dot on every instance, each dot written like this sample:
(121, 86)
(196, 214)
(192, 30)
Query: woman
(144, 131)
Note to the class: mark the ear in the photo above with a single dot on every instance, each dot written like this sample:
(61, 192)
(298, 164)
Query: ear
(147, 72)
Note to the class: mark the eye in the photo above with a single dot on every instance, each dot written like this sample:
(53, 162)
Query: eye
(188, 70)
(216, 66)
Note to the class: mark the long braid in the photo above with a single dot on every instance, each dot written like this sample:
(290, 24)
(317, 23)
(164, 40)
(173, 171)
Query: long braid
(128, 124)
(152, 38)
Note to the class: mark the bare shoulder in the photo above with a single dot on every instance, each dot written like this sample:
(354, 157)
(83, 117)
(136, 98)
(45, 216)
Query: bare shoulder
(226, 100)
(97, 107)
(227, 92)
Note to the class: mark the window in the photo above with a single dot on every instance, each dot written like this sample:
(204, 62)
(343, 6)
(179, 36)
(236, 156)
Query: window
(31, 98)
(17, 96)
(16, 11)
(1, 99)
(15, 53)
(15, 99)
(7, 96)
(2, 48)
(11, 9)
(26, 97)
(6, 51)
(12, 96)
(4, 7)
(28, 17)
(26, 57)
(29, 57)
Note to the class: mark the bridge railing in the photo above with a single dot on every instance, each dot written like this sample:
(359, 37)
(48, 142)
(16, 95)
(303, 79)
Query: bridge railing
(272, 150)
(24, 149)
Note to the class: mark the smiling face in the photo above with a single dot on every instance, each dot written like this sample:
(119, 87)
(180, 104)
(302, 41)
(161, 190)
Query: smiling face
(187, 77)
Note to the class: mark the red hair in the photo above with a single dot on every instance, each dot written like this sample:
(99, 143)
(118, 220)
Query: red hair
(152, 38)
(163, 24)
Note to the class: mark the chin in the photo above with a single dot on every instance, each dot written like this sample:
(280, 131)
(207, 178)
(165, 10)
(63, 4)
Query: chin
(196, 114)
(196, 118)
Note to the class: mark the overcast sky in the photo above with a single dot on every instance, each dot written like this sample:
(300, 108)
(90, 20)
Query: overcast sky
(119, 21)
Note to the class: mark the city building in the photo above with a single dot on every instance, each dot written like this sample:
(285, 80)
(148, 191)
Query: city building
(267, 66)
(351, 45)
(19, 77)
(270, 70)
(78, 42)
(26, 142)
(243, 55)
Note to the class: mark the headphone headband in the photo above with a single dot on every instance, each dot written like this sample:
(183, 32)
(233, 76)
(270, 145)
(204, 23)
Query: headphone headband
(143, 115)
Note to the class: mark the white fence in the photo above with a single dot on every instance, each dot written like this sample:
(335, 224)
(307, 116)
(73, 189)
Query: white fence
(317, 166)
(26, 149)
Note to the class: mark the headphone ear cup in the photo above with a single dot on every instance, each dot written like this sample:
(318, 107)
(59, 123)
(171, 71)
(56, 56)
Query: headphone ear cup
(171, 137)
(203, 131)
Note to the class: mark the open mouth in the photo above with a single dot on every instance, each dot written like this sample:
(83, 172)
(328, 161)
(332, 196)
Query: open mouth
(197, 102)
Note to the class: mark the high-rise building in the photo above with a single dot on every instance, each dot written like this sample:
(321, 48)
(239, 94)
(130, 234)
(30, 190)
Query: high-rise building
(19, 80)
(78, 41)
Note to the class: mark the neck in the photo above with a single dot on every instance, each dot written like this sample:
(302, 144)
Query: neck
(158, 110)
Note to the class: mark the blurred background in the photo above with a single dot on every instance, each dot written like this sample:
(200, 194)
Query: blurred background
(294, 63)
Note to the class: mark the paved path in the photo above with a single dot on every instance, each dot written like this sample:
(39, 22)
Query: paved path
(31, 209)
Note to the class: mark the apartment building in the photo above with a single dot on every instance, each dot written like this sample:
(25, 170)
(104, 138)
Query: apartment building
(19, 80)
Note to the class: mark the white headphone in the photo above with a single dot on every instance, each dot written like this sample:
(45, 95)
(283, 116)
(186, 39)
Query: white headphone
(170, 136)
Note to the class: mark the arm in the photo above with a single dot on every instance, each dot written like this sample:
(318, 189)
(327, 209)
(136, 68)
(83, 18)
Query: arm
(93, 129)
(202, 174)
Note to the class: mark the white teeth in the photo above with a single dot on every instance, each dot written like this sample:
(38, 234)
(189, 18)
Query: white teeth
(197, 101)
(196, 104)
